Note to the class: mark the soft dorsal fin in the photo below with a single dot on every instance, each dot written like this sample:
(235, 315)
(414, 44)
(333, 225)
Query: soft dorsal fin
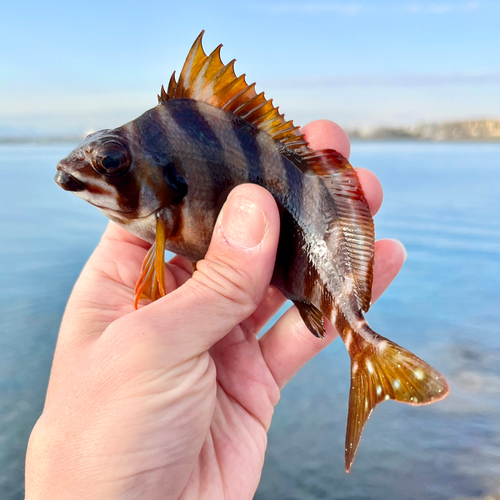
(354, 217)
(206, 78)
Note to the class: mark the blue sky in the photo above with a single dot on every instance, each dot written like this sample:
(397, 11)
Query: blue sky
(70, 66)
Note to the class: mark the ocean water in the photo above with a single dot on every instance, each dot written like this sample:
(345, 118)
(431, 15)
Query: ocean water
(441, 200)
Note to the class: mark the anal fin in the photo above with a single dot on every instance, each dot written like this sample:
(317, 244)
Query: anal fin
(151, 283)
(312, 317)
(382, 372)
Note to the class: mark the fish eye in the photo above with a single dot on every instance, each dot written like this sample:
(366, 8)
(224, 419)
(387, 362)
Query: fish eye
(112, 162)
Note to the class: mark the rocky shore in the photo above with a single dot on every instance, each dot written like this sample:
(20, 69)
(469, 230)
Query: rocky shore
(473, 130)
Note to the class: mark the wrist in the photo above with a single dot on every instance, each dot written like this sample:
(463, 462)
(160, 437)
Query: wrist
(64, 463)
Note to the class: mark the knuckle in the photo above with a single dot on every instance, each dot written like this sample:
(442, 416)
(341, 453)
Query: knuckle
(233, 285)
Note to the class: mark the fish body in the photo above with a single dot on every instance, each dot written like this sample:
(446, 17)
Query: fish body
(165, 175)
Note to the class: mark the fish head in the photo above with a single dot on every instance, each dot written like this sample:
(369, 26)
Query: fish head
(105, 171)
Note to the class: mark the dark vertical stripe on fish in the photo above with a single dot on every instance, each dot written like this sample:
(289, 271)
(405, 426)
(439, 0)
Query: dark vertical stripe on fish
(153, 136)
(327, 303)
(310, 278)
(192, 122)
(247, 137)
(295, 180)
(234, 167)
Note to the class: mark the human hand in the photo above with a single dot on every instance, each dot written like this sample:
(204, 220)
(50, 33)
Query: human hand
(173, 401)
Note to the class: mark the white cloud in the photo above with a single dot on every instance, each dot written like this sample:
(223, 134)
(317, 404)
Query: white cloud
(440, 8)
(343, 9)
(408, 80)
(352, 9)
(469, 7)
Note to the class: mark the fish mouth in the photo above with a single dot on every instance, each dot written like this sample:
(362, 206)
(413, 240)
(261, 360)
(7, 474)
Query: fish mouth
(123, 214)
(68, 182)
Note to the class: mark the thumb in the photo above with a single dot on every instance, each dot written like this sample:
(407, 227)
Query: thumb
(230, 282)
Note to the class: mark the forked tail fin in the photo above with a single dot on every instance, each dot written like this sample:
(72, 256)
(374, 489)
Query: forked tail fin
(387, 371)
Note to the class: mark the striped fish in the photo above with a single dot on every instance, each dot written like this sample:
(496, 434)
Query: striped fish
(165, 175)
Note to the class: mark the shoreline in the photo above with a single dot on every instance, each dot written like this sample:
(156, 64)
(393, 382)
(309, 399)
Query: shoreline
(15, 141)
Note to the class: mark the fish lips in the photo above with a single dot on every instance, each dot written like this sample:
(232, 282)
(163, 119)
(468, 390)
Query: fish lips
(68, 182)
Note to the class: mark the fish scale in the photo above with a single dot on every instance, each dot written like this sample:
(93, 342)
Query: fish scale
(165, 176)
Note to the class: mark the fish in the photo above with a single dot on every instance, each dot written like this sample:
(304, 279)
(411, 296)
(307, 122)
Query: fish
(165, 176)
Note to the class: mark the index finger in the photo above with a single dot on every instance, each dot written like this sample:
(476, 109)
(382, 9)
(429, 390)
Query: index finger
(325, 134)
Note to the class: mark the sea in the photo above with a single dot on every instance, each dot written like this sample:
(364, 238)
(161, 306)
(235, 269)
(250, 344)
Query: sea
(442, 200)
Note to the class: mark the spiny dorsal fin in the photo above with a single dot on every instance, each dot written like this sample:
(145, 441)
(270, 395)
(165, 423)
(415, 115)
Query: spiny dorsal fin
(354, 217)
(206, 78)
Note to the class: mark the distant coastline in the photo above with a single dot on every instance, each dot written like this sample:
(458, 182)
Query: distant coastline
(458, 131)
(472, 130)
(40, 139)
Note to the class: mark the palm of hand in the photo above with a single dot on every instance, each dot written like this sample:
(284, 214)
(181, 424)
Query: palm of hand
(237, 397)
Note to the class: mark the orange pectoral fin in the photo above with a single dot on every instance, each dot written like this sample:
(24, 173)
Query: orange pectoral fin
(151, 283)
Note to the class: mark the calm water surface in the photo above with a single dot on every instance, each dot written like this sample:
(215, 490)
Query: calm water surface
(441, 200)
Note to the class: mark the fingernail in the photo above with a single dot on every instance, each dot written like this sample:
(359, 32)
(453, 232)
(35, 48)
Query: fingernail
(403, 247)
(243, 222)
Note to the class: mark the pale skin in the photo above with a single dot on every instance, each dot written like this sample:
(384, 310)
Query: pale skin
(174, 401)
